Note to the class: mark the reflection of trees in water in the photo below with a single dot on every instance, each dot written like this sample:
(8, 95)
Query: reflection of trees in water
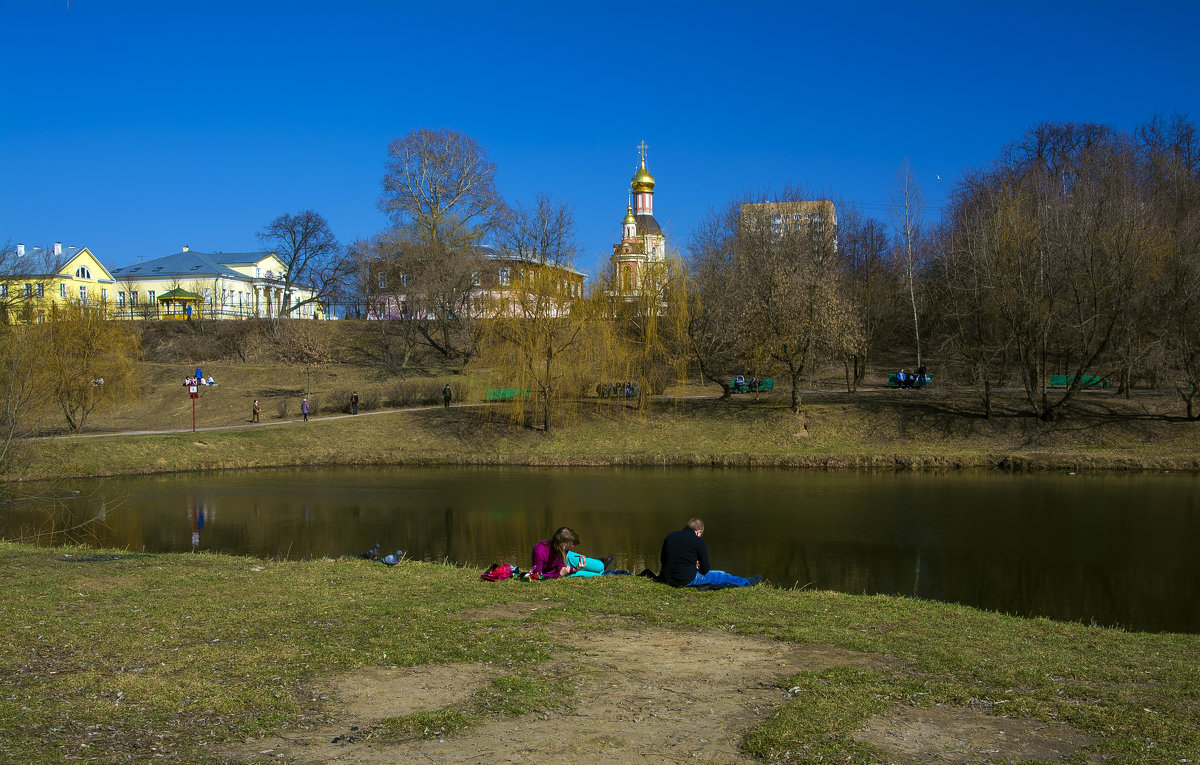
(50, 516)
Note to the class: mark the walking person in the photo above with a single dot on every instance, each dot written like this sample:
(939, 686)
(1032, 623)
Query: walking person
(354, 402)
(304, 409)
(447, 394)
(254, 410)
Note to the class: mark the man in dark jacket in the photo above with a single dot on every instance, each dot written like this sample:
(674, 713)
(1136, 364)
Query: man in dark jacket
(684, 561)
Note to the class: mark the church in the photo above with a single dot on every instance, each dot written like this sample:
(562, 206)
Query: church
(642, 244)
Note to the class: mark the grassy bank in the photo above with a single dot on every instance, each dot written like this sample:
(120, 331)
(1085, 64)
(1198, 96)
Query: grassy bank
(198, 657)
(928, 429)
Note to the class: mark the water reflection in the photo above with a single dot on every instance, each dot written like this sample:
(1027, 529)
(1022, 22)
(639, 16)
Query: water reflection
(1113, 549)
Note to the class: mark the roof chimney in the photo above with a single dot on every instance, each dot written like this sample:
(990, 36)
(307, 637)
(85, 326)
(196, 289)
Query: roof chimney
(57, 249)
(185, 248)
(20, 250)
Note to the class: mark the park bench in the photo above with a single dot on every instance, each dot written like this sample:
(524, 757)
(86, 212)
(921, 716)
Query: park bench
(618, 390)
(926, 380)
(506, 394)
(1086, 381)
(742, 385)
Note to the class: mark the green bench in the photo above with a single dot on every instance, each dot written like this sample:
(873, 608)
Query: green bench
(506, 394)
(926, 379)
(741, 385)
(1086, 381)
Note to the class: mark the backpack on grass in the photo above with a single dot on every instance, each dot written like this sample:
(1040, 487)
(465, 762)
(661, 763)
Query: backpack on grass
(498, 571)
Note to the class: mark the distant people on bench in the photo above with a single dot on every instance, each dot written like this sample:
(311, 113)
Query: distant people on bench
(903, 380)
(921, 376)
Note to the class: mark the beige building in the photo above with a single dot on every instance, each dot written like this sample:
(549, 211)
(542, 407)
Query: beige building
(818, 217)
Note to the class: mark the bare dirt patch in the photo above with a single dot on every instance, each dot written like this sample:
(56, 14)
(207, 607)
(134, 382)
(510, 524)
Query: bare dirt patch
(640, 695)
(952, 735)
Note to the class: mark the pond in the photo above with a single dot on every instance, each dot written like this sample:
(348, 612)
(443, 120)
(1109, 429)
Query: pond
(1105, 549)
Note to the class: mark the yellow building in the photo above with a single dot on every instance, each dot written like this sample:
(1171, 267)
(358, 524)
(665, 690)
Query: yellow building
(231, 285)
(33, 282)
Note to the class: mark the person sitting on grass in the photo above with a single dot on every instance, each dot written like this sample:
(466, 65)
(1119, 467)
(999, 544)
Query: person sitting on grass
(555, 557)
(684, 561)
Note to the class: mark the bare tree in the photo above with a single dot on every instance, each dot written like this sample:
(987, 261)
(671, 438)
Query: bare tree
(439, 188)
(869, 283)
(716, 327)
(311, 255)
(793, 305)
(906, 208)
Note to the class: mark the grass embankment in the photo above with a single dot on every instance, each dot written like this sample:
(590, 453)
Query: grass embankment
(194, 656)
(881, 428)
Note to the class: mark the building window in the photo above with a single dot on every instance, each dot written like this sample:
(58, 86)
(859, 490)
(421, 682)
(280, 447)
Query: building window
(3, 290)
(62, 290)
(133, 297)
(41, 290)
(475, 278)
(83, 273)
(41, 316)
(83, 294)
(382, 282)
(121, 299)
(28, 290)
(208, 293)
(103, 296)
(403, 280)
(149, 297)
(505, 277)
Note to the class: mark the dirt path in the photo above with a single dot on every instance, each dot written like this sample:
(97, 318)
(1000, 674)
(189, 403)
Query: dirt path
(652, 696)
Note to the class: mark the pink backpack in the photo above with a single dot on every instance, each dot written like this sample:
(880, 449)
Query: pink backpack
(498, 571)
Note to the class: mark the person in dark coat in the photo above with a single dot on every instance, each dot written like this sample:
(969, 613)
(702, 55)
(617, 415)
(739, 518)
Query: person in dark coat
(354, 402)
(684, 561)
(447, 394)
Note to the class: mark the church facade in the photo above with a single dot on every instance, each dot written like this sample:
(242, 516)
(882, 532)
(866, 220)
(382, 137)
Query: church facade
(643, 245)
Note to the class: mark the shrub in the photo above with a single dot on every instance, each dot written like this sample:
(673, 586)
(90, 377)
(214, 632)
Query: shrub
(283, 406)
(339, 401)
(370, 399)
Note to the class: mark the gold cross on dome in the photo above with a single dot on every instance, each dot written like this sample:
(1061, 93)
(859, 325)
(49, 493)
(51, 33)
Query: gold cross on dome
(642, 150)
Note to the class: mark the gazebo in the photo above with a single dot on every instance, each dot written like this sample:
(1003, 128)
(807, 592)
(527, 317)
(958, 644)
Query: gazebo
(179, 304)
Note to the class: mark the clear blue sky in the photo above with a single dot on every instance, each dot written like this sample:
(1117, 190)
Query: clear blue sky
(137, 127)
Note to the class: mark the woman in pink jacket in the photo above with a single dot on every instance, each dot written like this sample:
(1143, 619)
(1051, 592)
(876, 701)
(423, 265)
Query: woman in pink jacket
(556, 557)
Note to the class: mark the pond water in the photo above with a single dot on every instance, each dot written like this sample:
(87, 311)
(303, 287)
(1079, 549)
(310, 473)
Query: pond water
(1104, 549)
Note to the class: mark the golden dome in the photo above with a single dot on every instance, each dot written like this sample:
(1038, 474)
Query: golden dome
(642, 179)
(629, 213)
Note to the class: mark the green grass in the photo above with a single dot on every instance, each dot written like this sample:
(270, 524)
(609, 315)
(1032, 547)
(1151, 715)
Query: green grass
(181, 655)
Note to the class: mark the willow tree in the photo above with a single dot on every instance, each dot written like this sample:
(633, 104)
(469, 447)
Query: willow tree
(645, 327)
(537, 318)
(88, 361)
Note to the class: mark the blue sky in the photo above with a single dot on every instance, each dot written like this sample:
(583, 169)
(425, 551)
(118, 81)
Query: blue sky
(137, 127)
